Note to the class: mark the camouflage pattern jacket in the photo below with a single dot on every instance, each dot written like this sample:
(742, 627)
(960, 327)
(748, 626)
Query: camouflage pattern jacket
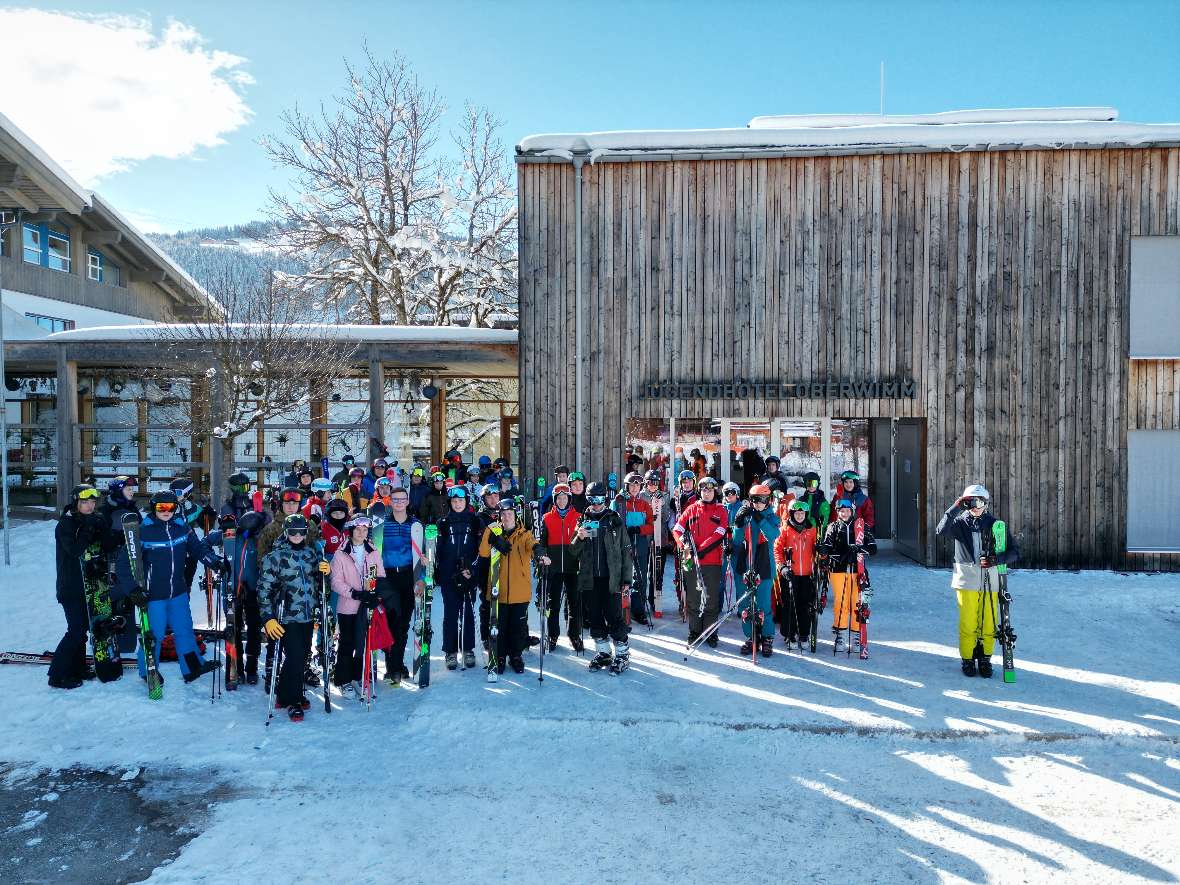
(289, 576)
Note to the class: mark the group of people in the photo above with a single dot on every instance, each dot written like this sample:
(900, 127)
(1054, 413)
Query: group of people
(588, 550)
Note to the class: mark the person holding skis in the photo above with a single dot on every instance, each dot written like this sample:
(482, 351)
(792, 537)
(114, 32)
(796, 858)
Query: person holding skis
(794, 555)
(515, 544)
(289, 598)
(558, 525)
(356, 569)
(755, 529)
(434, 506)
(602, 547)
(839, 545)
(850, 490)
(167, 543)
(636, 513)
(459, 535)
(78, 527)
(401, 554)
(700, 536)
(662, 521)
(969, 524)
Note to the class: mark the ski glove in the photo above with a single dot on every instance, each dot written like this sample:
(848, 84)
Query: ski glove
(784, 571)
(138, 596)
(221, 565)
(325, 567)
(273, 629)
(367, 598)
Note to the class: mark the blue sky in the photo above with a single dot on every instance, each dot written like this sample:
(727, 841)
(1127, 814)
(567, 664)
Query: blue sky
(546, 67)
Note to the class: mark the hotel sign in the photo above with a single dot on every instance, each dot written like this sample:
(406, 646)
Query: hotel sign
(905, 388)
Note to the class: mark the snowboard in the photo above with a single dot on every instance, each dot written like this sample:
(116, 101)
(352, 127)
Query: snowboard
(377, 531)
(131, 536)
(105, 625)
(425, 630)
(325, 467)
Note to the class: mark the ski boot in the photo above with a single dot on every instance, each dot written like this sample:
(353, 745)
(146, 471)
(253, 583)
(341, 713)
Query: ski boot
(88, 674)
(66, 682)
(603, 659)
(311, 679)
(712, 640)
(968, 666)
(985, 668)
(197, 669)
(393, 678)
(517, 663)
(838, 640)
(747, 648)
(552, 643)
(469, 659)
(577, 644)
(295, 712)
(622, 658)
(452, 661)
(766, 647)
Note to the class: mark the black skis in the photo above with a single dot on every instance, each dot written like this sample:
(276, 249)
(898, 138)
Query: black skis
(131, 525)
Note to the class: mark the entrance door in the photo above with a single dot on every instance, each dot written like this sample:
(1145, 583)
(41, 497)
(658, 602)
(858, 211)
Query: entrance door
(910, 488)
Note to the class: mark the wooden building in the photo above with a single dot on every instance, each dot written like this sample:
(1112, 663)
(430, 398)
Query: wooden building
(984, 296)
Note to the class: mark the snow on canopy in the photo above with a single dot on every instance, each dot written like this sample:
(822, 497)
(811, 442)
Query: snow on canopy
(957, 130)
(317, 331)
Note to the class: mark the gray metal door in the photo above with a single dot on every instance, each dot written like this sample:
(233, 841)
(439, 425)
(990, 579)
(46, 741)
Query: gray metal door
(910, 473)
(881, 475)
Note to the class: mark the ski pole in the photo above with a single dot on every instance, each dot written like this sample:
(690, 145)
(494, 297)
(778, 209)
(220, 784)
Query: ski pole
(274, 678)
(692, 647)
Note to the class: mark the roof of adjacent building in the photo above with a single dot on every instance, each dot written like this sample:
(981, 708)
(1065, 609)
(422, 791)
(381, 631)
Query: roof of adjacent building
(34, 182)
(1023, 128)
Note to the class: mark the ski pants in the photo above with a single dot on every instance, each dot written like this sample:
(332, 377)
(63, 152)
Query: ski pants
(554, 587)
(456, 595)
(798, 593)
(69, 659)
(295, 644)
(350, 649)
(606, 612)
(759, 609)
(845, 596)
(658, 557)
(639, 579)
(250, 627)
(702, 617)
(977, 622)
(398, 594)
(514, 630)
(174, 613)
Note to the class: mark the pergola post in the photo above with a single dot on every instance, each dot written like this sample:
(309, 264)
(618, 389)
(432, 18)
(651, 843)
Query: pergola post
(216, 443)
(67, 425)
(376, 400)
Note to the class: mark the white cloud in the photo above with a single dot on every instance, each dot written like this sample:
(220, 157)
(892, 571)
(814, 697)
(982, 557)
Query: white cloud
(99, 93)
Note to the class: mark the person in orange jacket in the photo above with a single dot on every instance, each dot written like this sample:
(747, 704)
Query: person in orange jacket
(794, 553)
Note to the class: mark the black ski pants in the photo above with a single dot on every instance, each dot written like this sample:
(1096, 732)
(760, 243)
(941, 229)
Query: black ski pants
(69, 658)
(606, 611)
(350, 648)
(295, 643)
(556, 585)
(397, 593)
(249, 627)
(456, 594)
(798, 598)
(701, 617)
(514, 630)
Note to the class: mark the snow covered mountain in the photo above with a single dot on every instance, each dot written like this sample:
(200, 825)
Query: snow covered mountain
(209, 252)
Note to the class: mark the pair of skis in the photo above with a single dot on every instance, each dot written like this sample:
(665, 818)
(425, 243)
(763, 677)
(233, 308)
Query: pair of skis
(423, 629)
(542, 579)
(130, 524)
(1004, 632)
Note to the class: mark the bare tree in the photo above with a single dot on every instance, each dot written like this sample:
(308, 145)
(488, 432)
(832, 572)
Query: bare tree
(266, 353)
(394, 230)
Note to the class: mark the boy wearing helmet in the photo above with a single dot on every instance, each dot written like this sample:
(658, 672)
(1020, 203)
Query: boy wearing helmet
(817, 503)
(77, 528)
(603, 550)
(457, 555)
(968, 523)
(794, 554)
(637, 515)
(756, 561)
(839, 545)
(558, 526)
(707, 522)
(434, 506)
(515, 544)
(850, 490)
(577, 484)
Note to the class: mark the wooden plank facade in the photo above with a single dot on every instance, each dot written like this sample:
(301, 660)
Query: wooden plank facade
(997, 280)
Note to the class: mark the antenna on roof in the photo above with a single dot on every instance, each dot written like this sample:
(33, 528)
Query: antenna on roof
(882, 89)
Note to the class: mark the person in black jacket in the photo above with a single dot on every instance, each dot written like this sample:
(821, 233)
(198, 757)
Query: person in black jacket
(120, 501)
(839, 545)
(455, 565)
(77, 528)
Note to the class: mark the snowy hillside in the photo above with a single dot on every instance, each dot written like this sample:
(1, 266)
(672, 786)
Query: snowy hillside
(799, 768)
(208, 253)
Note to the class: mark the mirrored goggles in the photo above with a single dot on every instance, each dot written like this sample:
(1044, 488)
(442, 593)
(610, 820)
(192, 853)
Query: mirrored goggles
(596, 499)
(87, 494)
(165, 507)
(292, 496)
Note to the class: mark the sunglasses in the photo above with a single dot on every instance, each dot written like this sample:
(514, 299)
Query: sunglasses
(165, 507)
(87, 494)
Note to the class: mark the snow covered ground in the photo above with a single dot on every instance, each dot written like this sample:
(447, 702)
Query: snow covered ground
(802, 768)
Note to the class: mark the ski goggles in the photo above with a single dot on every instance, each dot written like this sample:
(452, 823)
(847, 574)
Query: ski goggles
(359, 522)
(87, 494)
(292, 495)
(812, 483)
(757, 499)
(733, 492)
(596, 499)
(457, 493)
(161, 507)
(296, 533)
(976, 503)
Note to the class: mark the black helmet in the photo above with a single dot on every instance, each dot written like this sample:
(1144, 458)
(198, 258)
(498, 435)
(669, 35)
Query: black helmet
(337, 504)
(506, 504)
(597, 490)
(561, 468)
(296, 522)
(182, 487)
(652, 476)
(810, 476)
(239, 479)
(168, 497)
(772, 459)
(86, 489)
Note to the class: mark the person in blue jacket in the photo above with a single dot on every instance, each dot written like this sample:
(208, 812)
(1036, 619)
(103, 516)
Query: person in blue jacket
(456, 558)
(167, 544)
(764, 527)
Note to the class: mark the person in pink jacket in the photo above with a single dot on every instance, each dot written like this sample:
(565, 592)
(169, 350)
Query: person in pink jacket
(356, 566)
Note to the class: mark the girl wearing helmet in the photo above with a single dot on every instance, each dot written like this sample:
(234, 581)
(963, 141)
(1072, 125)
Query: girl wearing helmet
(662, 520)
(839, 545)
(794, 555)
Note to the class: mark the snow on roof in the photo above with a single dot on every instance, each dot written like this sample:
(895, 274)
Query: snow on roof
(327, 331)
(957, 130)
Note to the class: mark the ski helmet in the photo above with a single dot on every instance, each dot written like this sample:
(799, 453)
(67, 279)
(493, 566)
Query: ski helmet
(797, 504)
(321, 485)
(337, 504)
(485, 461)
(850, 474)
(168, 499)
(356, 471)
(707, 482)
(976, 491)
(631, 477)
(181, 487)
(576, 476)
(239, 481)
(731, 487)
(489, 489)
(296, 523)
(117, 484)
(596, 493)
(507, 505)
(438, 476)
(652, 476)
(561, 489)
(84, 491)
(772, 459)
(686, 474)
(760, 490)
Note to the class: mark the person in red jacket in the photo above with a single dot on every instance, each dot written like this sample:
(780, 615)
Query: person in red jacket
(794, 553)
(637, 514)
(701, 530)
(850, 489)
(558, 526)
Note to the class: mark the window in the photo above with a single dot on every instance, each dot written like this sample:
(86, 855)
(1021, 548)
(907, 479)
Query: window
(53, 324)
(47, 247)
(1153, 491)
(1155, 290)
(111, 273)
(94, 266)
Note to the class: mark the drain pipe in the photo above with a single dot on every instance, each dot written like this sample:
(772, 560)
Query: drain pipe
(579, 397)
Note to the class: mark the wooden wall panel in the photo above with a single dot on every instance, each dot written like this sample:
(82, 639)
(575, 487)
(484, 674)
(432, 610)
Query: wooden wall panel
(998, 281)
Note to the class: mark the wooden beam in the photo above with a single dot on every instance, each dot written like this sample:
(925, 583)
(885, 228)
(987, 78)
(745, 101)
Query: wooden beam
(8, 174)
(48, 216)
(103, 237)
(146, 276)
(67, 419)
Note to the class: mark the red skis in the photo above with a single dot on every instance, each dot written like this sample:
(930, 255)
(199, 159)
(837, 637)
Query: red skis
(863, 591)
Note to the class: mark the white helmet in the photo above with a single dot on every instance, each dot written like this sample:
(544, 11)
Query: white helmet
(976, 491)
(731, 487)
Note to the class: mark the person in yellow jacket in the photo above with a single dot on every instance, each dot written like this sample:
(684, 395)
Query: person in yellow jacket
(515, 544)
